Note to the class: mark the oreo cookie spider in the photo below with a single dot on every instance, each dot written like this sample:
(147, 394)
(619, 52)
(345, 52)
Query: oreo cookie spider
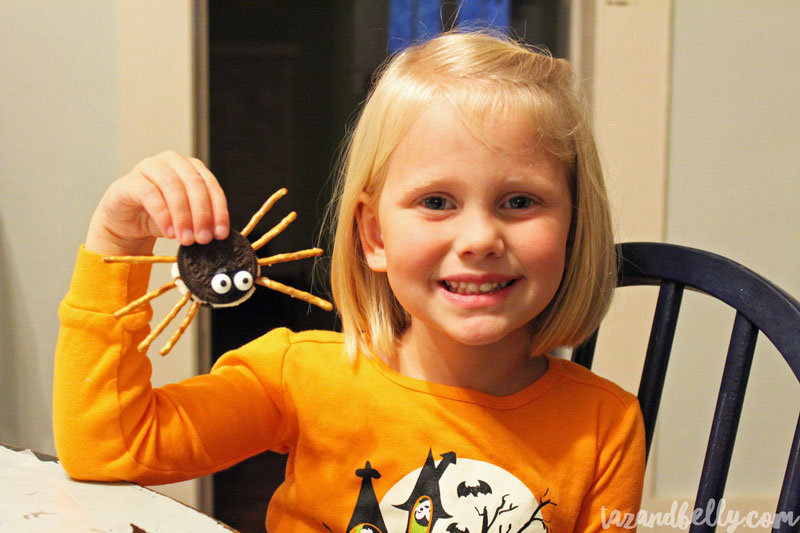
(222, 273)
(217, 274)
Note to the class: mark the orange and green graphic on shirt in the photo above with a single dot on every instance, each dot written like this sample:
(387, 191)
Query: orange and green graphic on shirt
(419, 520)
(424, 504)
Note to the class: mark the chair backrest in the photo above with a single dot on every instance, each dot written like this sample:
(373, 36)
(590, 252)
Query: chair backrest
(760, 306)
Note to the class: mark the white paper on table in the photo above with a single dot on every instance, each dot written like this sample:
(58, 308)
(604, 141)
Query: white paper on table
(38, 496)
(31, 500)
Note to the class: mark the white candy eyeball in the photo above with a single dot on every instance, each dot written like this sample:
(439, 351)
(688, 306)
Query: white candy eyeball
(243, 280)
(221, 283)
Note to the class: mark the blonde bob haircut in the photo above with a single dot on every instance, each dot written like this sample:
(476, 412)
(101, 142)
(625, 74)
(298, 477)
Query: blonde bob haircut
(480, 75)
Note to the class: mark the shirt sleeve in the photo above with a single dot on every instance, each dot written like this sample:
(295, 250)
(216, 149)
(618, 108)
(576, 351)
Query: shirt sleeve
(111, 424)
(616, 492)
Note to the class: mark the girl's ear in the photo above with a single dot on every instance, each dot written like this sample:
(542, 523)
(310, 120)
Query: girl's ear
(369, 231)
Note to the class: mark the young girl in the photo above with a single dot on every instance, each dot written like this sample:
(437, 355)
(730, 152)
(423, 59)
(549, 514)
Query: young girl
(472, 238)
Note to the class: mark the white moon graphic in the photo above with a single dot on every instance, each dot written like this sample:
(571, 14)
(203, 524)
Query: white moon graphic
(510, 502)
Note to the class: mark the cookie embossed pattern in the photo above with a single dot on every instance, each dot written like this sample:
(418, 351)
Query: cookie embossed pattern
(222, 273)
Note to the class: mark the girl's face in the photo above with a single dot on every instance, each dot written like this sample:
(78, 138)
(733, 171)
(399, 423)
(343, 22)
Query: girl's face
(473, 239)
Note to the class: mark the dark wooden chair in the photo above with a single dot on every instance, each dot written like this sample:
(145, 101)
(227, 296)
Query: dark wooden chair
(760, 306)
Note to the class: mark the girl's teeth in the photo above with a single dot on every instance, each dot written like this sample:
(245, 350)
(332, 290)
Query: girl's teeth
(474, 288)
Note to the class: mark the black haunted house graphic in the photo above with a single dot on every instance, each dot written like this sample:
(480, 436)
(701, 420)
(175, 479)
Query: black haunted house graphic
(424, 504)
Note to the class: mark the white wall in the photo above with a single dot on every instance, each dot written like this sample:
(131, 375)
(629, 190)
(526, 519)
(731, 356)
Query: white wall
(88, 88)
(59, 147)
(623, 54)
(721, 80)
(733, 188)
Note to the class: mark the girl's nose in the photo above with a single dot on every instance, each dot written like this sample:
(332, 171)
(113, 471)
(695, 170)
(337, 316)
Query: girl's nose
(478, 235)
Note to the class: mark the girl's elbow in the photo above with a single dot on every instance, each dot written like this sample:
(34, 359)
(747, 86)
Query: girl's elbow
(82, 458)
(78, 461)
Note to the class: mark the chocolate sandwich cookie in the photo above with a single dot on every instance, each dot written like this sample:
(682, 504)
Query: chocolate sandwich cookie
(220, 273)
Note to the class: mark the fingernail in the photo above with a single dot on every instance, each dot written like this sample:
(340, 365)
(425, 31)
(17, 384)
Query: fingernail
(187, 236)
(170, 232)
(204, 236)
(221, 232)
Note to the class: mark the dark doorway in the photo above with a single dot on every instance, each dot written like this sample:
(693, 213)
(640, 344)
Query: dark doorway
(285, 79)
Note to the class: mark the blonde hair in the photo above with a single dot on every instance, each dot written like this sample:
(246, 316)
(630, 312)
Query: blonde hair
(481, 75)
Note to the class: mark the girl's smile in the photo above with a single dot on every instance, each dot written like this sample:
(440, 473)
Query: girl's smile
(473, 237)
(472, 291)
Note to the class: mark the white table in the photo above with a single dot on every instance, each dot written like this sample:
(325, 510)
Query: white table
(37, 495)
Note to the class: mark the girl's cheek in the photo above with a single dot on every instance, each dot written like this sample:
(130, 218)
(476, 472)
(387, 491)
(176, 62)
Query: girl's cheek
(405, 230)
(550, 251)
(413, 245)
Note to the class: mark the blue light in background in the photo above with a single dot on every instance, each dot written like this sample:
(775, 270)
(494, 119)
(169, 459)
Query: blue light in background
(413, 21)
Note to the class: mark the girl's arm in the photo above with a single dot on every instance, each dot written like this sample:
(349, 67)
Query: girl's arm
(109, 423)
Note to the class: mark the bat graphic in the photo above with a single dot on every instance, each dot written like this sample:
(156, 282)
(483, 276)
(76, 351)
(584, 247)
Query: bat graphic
(453, 528)
(465, 490)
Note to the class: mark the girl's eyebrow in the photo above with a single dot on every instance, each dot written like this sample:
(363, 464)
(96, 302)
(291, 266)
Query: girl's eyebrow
(431, 181)
(526, 180)
(428, 183)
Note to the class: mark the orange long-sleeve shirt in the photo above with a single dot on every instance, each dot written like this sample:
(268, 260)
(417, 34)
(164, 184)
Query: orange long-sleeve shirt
(366, 445)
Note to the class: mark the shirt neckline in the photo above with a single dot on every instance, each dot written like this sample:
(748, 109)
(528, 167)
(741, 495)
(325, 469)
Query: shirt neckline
(545, 382)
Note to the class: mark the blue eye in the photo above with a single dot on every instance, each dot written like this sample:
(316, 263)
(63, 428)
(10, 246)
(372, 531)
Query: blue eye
(435, 203)
(518, 202)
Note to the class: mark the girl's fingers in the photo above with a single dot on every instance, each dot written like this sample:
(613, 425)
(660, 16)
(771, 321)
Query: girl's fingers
(198, 196)
(159, 218)
(219, 204)
(167, 195)
(173, 190)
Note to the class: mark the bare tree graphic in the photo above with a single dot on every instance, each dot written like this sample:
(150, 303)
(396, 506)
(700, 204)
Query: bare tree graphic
(504, 507)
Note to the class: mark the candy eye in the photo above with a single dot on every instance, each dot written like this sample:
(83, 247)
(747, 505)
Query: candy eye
(221, 283)
(243, 280)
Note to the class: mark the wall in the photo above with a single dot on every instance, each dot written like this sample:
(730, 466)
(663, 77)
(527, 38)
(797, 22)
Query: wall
(733, 188)
(86, 91)
(622, 53)
(59, 134)
(697, 115)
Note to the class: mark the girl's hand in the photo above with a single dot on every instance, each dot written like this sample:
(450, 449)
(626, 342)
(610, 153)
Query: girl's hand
(168, 195)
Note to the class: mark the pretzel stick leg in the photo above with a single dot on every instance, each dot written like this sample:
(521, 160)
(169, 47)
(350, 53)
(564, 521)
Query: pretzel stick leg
(282, 258)
(185, 324)
(261, 212)
(144, 299)
(279, 227)
(139, 259)
(164, 323)
(294, 293)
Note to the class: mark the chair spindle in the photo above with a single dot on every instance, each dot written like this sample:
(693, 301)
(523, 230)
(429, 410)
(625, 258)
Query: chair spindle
(789, 501)
(726, 420)
(658, 349)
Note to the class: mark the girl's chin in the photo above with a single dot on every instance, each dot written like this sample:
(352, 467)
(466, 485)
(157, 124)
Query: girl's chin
(476, 336)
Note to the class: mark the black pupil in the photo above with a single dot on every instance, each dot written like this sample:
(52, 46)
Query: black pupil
(519, 201)
(437, 202)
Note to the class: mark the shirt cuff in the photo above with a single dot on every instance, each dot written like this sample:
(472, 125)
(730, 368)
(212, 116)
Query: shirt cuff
(105, 287)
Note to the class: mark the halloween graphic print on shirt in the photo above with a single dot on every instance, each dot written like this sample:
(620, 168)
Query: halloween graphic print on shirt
(451, 495)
